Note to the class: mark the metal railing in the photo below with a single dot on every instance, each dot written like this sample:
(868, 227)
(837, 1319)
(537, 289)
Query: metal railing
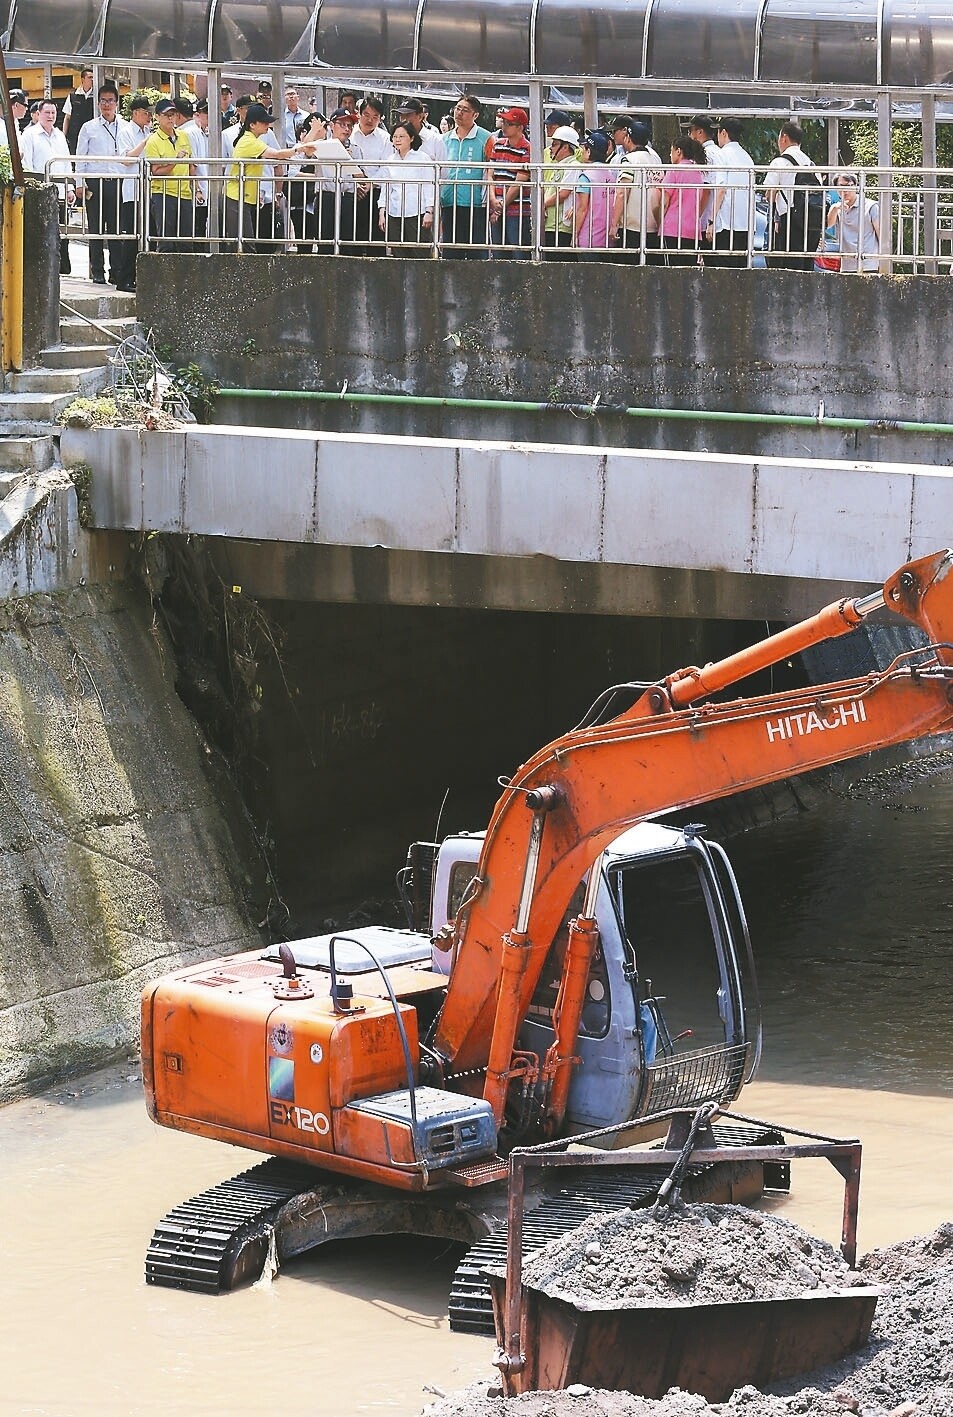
(893, 221)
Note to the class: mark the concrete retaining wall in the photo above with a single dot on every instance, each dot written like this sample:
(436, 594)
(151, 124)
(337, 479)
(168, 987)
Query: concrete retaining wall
(760, 341)
(41, 271)
(115, 859)
(722, 537)
(43, 547)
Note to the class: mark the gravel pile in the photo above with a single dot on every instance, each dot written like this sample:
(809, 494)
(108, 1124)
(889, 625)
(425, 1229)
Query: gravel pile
(695, 1254)
(906, 1370)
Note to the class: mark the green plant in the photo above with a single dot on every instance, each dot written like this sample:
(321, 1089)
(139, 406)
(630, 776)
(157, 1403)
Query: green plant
(81, 475)
(198, 389)
(153, 95)
(906, 146)
(100, 412)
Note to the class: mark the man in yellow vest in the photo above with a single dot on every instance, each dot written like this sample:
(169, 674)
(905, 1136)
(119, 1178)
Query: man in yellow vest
(171, 193)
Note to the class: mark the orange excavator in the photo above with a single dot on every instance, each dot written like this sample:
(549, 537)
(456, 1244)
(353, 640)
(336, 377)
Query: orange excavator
(396, 1068)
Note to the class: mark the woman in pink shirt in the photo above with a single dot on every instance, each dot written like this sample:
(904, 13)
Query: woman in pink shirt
(683, 190)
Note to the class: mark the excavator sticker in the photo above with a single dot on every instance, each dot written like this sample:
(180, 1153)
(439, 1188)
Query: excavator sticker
(301, 1117)
(799, 725)
(281, 1079)
(281, 1039)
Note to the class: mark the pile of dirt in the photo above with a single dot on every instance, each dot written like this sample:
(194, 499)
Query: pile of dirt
(906, 1369)
(693, 1254)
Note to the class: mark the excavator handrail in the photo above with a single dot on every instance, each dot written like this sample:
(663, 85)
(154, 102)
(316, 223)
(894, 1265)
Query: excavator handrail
(417, 1163)
(752, 991)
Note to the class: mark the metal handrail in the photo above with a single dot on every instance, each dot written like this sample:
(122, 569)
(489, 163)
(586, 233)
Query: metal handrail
(337, 212)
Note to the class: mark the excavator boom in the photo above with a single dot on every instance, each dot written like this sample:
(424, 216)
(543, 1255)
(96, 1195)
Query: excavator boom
(670, 750)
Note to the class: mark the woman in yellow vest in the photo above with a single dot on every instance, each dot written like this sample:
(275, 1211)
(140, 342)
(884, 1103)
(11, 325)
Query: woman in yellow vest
(242, 189)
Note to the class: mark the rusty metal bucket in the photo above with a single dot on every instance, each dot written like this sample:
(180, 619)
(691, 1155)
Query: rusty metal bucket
(709, 1349)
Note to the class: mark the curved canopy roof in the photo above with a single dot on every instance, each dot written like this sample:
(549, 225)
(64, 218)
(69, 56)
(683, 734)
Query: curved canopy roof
(847, 44)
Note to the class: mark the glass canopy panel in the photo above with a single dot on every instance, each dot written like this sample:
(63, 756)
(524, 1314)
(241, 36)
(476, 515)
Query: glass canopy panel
(475, 36)
(820, 42)
(261, 31)
(918, 40)
(141, 29)
(57, 27)
(698, 39)
(589, 39)
(366, 34)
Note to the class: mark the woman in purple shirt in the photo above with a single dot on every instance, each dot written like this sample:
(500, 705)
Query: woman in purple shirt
(593, 197)
(683, 191)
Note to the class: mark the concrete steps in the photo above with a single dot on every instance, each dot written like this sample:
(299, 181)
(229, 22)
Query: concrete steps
(76, 367)
(19, 455)
(77, 331)
(58, 381)
(75, 356)
(25, 415)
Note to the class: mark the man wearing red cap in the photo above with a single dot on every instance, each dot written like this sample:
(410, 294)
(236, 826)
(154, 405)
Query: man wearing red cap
(510, 198)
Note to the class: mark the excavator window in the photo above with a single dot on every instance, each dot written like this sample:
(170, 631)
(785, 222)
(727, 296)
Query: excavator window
(596, 1010)
(461, 874)
(671, 919)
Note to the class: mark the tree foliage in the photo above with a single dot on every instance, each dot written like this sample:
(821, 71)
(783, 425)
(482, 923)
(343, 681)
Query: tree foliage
(906, 144)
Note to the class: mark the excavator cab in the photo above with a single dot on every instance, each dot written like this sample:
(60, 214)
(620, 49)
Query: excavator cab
(671, 1015)
(680, 917)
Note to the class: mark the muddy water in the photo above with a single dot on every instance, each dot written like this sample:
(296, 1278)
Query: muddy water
(852, 912)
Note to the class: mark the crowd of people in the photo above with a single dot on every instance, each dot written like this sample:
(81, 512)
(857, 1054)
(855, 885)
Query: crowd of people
(297, 180)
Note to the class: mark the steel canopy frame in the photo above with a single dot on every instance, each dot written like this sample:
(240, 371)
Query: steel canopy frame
(815, 50)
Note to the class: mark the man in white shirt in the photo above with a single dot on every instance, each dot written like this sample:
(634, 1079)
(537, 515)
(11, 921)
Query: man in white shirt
(132, 143)
(271, 219)
(43, 143)
(197, 131)
(635, 207)
(99, 139)
(795, 221)
(731, 220)
(702, 129)
(341, 187)
(290, 119)
(371, 145)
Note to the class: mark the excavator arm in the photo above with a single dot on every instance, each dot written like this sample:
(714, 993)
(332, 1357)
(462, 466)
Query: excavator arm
(670, 750)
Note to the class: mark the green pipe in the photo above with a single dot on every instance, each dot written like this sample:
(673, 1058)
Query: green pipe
(707, 415)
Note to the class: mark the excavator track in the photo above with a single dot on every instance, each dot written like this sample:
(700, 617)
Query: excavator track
(218, 1238)
(579, 1196)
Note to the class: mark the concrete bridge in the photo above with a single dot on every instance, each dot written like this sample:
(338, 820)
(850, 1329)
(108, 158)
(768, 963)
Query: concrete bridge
(503, 525)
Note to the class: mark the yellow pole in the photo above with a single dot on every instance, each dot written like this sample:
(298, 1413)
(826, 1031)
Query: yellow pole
(16, 280)
(11, 315)
(7, 279)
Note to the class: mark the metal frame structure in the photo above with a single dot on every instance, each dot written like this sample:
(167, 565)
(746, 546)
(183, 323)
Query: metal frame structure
(766, 45)
(690, 1140)
(881, 59)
